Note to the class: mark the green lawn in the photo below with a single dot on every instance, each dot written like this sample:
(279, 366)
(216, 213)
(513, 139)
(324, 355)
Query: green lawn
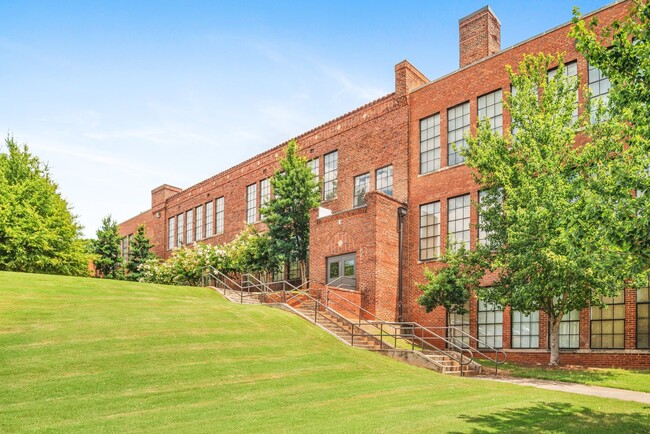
(618, 378)
(86, 355)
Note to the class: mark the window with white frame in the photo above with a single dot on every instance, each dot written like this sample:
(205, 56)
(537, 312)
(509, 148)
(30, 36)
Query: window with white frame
(458, 221)
(314, 166)
(490, 325)
(430, 144)
(525, 329)
(219, 212)
(189, 226)
(570, 330)
(457, 126)
(265, 190)
(429, 231)
(180, 232)
(209, 218)
(361, 187)
(643, 317)
(384, 180)
(251, 203)
(171, 226)
(599, 86)
(571, 72)
(199, 222)
(490, 107)
(608, 324)
(460, 331)
(330, 176)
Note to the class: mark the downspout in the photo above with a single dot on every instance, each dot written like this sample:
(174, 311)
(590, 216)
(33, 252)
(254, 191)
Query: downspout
(401, 213)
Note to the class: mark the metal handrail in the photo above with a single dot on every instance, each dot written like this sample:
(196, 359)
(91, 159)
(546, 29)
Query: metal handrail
(484, 346)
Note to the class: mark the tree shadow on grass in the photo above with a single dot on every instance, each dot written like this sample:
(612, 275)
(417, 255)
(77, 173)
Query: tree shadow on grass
(558, 417)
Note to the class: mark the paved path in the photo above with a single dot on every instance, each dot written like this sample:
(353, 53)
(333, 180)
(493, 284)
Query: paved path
(582, 389)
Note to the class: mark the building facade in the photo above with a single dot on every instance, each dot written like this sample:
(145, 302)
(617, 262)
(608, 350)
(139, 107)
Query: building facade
(394, 189)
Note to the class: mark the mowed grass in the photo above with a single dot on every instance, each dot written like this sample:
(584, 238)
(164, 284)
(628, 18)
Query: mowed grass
(88, 355)
(617, 378)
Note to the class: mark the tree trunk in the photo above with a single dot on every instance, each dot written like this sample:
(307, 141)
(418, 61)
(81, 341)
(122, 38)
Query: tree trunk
(555, 340)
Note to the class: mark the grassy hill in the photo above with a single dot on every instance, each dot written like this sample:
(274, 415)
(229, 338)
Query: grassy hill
(89, 355)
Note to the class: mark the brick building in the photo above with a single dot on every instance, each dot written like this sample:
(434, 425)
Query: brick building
(394, 189)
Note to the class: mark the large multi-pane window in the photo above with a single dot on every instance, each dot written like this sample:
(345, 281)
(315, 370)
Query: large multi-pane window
(124, 243)
(599, 86)
(459, 332)
(458, 221)
(457, 126)
(180, 232)
(209, 218)
(314, 166)
(251, 203)
(608, 324)
(571, 72)
(430, 144)
(361, 187)
(199, 223)
(643, 317)
(219, 212)
(490, 325)
(189, 226)
(482, 233)
(330, 176)
(429, 231)
(490, 107)
(294, 270)
(525, 330)
(570, 330)
(171, 226)
(384, 180)
(265, 190)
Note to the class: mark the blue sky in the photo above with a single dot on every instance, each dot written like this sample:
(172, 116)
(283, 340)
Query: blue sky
(122, 96)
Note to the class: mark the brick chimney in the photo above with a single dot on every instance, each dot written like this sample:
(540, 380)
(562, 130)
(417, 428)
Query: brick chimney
(479, 36)
(162, 193)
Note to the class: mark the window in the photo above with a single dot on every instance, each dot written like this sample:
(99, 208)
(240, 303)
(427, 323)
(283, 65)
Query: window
(490, 325)
(294, 270)
(124, 245)
(341, 271)
(457, 126)
(430, 144)
(361, 187)
(490, 106)
(458, 221)
(482, 233)
(189, 226)
(199, 222)
(209, 217)
(330, 178)
(570, 71)
(171, 225)
(485, 203)
(314, 166)
(384, 180)
(525, 330)
(429, 231)
(608, 324)
(265, 190)
(181, 230)
(570, 330)
(599, 86)
(219, 214)
(643, 317)
(459, 334)
(251, 203)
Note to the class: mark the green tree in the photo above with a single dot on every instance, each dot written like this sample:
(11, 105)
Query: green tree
(622, 52)
(451, 285)
(107, 249)
(549, 249)
(139, 252)
(295, 192)
(38, 232)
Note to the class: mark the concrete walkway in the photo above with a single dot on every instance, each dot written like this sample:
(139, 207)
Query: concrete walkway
(582, 389)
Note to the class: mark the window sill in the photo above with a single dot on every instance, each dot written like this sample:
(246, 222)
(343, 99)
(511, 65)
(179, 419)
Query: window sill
(442, 169)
